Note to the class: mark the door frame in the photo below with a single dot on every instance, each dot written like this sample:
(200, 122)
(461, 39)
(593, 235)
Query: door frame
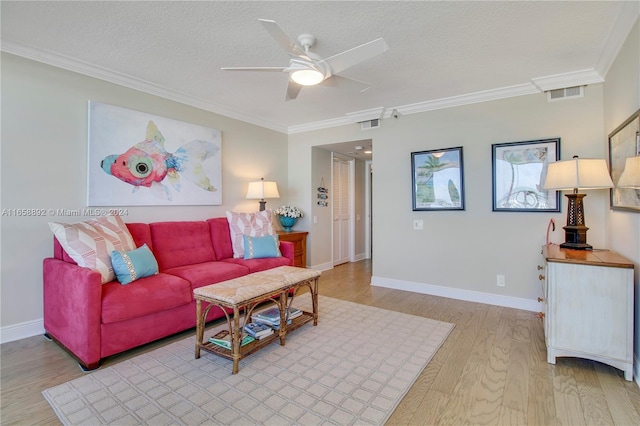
(368, 186)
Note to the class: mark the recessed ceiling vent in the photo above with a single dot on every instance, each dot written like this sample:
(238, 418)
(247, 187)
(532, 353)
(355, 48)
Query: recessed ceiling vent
(370, 124)
(565, 93)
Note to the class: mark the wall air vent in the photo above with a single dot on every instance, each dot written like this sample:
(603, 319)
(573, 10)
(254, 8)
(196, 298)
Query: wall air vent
(565, 93)
(370, 124)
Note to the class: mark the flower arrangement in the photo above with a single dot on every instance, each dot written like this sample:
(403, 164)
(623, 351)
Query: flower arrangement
(288, 211)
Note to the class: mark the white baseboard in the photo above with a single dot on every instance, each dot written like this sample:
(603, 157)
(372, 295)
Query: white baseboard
(460, 294)
(359, 257)
(322, 266)
(23, 330)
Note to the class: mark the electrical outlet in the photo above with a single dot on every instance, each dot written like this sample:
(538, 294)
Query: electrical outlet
(418, 224)
(500, 282)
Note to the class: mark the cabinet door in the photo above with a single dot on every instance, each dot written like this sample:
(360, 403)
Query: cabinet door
(589, 307)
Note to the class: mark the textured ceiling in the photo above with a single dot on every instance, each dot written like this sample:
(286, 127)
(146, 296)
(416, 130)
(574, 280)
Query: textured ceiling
(438, 50)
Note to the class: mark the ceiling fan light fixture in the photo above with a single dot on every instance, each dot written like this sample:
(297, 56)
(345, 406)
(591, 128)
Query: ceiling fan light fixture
(307, 77)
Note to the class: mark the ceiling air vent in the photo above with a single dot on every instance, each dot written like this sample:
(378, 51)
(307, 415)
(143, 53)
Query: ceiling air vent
(565, 93)
(370, 124)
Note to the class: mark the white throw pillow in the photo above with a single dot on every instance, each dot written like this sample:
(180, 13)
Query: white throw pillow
(90, 243)
(256, 224)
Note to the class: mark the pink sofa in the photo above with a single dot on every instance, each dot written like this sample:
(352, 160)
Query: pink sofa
(93, 320)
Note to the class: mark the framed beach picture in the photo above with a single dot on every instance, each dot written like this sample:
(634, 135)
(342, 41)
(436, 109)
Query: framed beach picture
(437, 179)
(519, 172)
(141, 159)
(624, 142)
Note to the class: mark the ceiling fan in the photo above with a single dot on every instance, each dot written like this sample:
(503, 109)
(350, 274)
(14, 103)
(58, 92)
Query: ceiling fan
(308, 69)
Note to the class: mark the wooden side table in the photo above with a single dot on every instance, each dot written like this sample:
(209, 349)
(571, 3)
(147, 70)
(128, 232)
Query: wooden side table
(588, 304)
(299, 240)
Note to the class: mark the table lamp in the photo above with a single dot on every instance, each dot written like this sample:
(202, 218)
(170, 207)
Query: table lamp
(574, 174)
(262, 189)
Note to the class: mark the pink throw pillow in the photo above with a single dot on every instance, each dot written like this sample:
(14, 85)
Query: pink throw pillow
(90, 243)
(257, 224)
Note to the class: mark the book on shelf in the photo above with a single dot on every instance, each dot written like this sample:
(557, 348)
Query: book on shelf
(271, 316)
(258, 330)
(274, 327)
(223, 339)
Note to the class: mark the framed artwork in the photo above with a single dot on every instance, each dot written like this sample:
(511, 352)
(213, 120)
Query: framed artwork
(519, 172)
(437, 179)
(140, 159)
(624, 142)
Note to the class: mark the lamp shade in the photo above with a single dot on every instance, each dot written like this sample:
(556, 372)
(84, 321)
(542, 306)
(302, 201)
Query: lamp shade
(583, 173)
(630, 177)
(262, 189)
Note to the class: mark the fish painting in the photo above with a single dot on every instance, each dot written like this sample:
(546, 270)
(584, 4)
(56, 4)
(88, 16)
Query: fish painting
(150, 165)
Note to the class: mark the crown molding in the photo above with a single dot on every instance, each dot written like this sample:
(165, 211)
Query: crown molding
(569, 79)
(471, 98)
(121, 79)
(628, 16)
(319, 125)
(365, 115)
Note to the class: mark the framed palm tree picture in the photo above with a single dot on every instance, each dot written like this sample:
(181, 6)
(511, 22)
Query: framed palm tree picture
(437, 179)
(519, 172)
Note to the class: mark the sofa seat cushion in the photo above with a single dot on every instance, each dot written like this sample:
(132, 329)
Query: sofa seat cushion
(208, 273)
(257, 265)
(144, 296)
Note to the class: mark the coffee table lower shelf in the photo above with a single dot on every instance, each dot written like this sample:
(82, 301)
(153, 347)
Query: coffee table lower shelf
(257, 344)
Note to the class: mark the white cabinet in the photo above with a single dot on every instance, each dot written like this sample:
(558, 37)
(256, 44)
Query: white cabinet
(588, 306)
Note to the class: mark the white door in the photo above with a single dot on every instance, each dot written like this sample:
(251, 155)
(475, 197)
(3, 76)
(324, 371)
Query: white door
(341, 211)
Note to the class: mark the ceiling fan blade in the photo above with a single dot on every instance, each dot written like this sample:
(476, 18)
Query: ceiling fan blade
(346, 83)
(351, 57)
(281, 37)
(268, 69)
(293, 89)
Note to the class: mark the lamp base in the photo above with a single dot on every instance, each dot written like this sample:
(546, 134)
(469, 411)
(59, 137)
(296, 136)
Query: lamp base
(575, 237)
(263, 204)
(575, 233)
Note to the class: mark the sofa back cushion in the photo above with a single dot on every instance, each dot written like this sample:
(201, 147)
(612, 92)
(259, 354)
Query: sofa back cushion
(181, 243)
(141, 234)
(221, 237)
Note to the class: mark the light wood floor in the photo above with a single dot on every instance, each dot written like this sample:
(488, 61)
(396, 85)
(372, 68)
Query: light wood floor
(492, 369)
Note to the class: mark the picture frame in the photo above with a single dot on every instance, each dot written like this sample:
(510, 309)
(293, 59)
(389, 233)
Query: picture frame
(141, 159)
(519, 170)
(437, 179)
(624, 142)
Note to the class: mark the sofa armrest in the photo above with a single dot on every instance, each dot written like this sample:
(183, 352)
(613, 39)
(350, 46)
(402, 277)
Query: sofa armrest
(286, 249)
(72, 308)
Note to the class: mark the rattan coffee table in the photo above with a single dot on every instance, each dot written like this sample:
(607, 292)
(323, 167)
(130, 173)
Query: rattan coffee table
(277, 285)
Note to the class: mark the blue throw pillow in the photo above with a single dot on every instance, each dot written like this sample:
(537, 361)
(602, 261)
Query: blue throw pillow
(132, 265)
(261, 247)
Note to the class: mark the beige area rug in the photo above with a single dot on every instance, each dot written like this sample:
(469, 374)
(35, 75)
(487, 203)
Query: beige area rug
(353, 368)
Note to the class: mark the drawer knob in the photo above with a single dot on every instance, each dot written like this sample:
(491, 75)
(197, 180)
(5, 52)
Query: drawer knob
(540, 267)
(540, 315)
(540, 299)
(541, 277)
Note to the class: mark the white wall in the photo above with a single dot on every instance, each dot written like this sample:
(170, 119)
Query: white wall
(44, 164)
(621, 99)
(461, 252)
